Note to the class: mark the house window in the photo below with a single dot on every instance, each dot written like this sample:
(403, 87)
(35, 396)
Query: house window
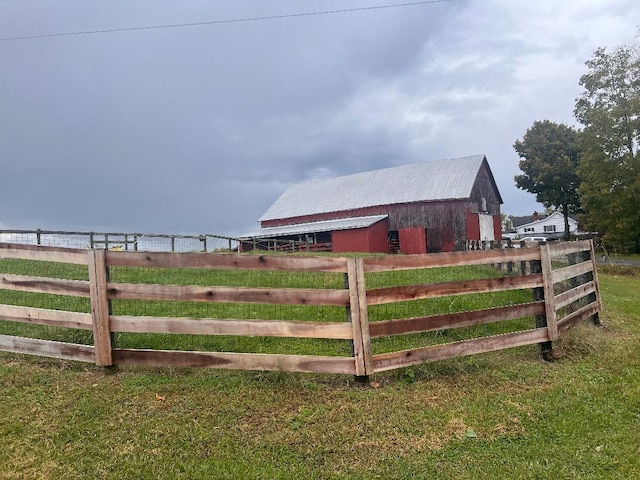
(549, 228)
(529, 229)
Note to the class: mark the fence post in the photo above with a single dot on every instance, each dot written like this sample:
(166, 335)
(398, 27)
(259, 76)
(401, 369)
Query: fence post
(359, 318)
(594, 276)
(100, 307)
(549, 295)
(546, 348)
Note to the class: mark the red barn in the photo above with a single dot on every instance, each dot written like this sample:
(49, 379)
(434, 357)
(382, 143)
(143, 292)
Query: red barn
(424, 207)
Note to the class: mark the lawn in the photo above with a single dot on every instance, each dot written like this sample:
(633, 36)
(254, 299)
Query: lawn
(506, 414)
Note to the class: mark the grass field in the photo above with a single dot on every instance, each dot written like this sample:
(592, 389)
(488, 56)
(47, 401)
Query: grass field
(506, 414)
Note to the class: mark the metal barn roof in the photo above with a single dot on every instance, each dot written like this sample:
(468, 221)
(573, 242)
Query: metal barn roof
(428, 181)
(315, 227)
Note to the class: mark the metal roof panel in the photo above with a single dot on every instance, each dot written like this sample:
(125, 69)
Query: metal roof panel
(419, 182)
(315, 227)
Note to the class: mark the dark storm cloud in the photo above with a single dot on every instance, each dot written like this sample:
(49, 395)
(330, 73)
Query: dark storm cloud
(200, 129)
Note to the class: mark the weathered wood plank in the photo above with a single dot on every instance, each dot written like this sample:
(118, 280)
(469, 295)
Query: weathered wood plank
(582, 314)
(42, 316)
(565, 273)
(257, 328)
(461, 287)
(47, 348)
(576, 293)
(566, 248)
(47, 254)
(236, 361)
(56, 286)
(454, 320)
(290, 296)
(550, 310)
(450, 259)
(389, 361)
(226, 261)
(359, 317)
(592, 254)
(100, 307)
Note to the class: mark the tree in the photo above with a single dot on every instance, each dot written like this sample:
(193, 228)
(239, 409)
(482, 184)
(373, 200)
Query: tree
(549, 155)
(609, 109)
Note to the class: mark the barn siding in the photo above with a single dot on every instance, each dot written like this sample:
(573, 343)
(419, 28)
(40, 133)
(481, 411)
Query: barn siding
(372, 239)
(412, 240)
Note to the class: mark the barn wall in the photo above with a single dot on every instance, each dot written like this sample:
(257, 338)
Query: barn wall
(378, 238)
(412, 240)
(350, 240)
(372, 239)
(497, 226)
(484, 187)
(445, 221)
(473, 226)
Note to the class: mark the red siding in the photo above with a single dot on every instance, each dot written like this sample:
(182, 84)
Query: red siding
(372, 239)
(412, 240)
(378, 238)
(497, 227)
(473, 226)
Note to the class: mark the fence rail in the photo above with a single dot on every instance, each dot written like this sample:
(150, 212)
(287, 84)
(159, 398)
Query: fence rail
(562, 277)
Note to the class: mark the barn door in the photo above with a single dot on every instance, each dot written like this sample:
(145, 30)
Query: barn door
(486, 227)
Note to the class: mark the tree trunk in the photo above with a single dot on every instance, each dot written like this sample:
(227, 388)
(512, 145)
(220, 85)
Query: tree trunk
(565, 211)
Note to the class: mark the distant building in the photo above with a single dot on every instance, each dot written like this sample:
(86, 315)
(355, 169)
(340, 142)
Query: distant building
(425, 207)
(549, 226)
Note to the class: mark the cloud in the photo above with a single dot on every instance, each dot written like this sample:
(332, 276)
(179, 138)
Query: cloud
(200, 129)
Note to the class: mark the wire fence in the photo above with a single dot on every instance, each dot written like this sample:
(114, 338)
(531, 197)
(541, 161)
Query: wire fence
(145, 242)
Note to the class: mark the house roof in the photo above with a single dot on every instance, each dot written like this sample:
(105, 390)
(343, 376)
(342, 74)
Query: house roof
(529, 220)
(445, 179)
(315, 227)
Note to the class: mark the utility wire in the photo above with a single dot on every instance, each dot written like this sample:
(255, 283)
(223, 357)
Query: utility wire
(217, 22)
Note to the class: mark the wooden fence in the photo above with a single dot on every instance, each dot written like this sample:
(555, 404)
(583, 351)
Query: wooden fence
(561, 276)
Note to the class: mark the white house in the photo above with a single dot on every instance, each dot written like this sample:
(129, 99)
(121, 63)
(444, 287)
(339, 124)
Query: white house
(550, 227)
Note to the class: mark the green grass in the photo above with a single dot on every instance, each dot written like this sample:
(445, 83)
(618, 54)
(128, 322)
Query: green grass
(499, 415)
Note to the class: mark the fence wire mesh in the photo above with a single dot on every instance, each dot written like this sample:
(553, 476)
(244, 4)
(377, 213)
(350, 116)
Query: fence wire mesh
(146, 242)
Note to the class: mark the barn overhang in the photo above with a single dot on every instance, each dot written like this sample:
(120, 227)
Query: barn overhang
(314, 227)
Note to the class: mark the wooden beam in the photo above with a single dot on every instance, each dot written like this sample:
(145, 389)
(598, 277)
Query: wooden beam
(258, 328)
(450, 259)
(562, 274)
(47, 348)
(566, 248)
(454, 320)
(47, 254)
(56, 286)
(359, 318)
(573, 295)
(549, 296)
(582, 314)
(42, 316)
(461, 287)
(226, 261)
(235, 361)
(100, 307)
(389, 361)
(290, 296)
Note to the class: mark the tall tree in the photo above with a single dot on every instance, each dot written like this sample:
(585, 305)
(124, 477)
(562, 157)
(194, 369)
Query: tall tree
(549, 155)
(609, 109)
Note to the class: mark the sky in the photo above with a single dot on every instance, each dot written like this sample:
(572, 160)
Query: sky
(199, 129)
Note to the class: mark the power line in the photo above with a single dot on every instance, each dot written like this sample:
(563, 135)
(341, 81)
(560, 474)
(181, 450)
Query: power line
(218, 22)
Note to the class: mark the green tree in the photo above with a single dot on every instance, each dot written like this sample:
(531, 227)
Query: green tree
(609, 109)
(549, 155)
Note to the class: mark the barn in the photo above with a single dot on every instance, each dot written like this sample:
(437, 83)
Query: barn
(433, 206)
